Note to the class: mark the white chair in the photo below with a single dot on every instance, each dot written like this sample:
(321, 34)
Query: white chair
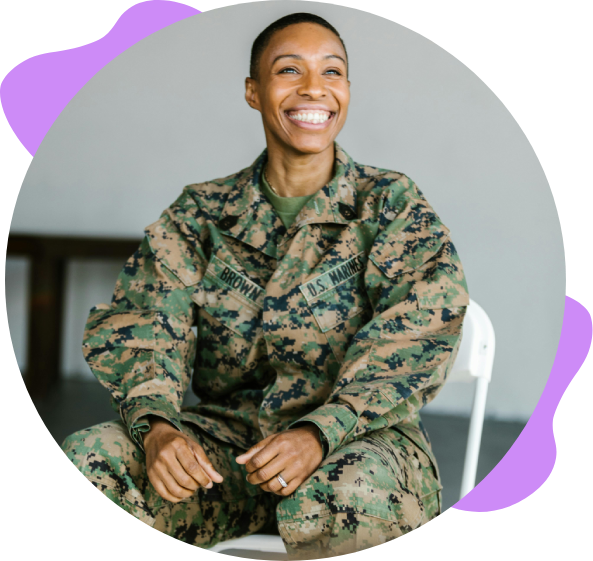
(255, 542)
(474, 362)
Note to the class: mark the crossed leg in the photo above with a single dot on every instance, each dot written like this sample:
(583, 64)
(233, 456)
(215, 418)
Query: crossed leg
(366, 493)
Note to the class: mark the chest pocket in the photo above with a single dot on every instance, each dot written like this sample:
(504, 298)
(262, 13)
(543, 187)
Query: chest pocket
(229, 324)
(339, 305)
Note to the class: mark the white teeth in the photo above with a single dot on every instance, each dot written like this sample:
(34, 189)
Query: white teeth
(314, 117)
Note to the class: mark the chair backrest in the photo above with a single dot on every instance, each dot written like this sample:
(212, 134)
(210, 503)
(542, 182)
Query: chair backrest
(476, 353)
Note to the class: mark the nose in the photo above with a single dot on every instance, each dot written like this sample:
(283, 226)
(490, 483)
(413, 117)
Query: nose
(311, 86)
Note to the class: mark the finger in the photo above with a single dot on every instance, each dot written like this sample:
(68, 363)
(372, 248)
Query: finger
(274, 485)
(193, 475)
(205, 463)
(288, 473)
(155, 478)
(269, 471)
(293, 485)
(246, 456)
(160, 488)
(171, 484)
(181, 466)
(168, 465)
(259, 460)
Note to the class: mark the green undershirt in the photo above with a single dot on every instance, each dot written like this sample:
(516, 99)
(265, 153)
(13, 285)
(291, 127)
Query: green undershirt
(286, 207)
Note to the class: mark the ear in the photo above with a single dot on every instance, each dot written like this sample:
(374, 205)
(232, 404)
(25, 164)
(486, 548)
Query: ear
(251, 95)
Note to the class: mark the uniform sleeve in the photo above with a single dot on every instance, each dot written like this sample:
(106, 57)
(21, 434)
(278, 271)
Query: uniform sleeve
(142, 347)
(399, 361)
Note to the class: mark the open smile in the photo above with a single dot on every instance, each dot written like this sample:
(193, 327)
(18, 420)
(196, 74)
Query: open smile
(310, 118)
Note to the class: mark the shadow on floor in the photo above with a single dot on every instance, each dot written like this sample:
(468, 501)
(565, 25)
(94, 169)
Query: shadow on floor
(74, 405)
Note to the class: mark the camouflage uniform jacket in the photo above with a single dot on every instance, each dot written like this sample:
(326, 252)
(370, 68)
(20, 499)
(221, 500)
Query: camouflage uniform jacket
(350, 319)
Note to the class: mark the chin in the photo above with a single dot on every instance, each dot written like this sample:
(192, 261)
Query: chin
(311, 145)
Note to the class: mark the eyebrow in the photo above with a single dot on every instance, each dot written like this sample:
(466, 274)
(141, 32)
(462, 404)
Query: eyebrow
(299, 57)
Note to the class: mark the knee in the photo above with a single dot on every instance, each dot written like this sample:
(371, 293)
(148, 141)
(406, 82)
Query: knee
(343, 485)
(356, 494)
(96, 446)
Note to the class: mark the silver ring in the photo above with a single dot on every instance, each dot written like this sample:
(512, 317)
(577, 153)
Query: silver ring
(281, 480)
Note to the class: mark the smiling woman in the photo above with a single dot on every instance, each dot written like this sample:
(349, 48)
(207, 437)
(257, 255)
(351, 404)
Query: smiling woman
(299, 84)
(328, 300)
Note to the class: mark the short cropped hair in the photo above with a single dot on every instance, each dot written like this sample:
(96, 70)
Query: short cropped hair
(263, 39)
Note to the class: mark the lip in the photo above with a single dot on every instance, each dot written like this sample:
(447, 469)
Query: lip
(310, 107)
(310, 126)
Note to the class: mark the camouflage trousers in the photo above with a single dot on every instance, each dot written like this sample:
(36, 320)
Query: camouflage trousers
(364, 494)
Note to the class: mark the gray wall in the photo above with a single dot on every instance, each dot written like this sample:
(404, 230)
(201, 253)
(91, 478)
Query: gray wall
(170, 111)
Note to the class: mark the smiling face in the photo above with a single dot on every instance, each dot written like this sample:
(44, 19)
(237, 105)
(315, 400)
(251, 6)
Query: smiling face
(301, 89)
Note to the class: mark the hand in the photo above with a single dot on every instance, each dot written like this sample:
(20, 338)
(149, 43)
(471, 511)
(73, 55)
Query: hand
(295, 454)
(176, 465)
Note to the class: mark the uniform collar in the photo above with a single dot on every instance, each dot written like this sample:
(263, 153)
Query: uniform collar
(249, 217)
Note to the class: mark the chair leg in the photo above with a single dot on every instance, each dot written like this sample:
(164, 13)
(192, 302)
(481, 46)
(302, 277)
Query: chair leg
(474, 438)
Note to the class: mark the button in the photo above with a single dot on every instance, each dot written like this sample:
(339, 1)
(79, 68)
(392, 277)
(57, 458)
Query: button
(228, 222)
(346, 211)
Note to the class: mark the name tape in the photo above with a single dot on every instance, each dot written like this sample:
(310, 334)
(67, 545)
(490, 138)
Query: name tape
(235, 280)
(334, 277)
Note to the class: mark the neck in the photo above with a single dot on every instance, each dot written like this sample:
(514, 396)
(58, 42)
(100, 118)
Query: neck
(294, 174)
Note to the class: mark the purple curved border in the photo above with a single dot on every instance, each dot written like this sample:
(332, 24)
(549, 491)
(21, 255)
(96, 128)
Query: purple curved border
(479, 527)
(35, 92)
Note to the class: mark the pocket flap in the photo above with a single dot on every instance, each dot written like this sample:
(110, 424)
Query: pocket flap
(339, 304)
(232, 299)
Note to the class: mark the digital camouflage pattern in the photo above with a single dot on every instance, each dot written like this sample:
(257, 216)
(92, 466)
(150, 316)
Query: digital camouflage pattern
(116, 465)
(364, 494)
(370, 491)
(350, 318)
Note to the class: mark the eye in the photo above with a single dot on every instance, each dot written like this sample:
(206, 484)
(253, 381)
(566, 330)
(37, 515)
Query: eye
(333, 71)
(289, 70)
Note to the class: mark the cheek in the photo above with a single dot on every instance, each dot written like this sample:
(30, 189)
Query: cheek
(272, 108)
(270, 116)
(343, 115)
(342, 95)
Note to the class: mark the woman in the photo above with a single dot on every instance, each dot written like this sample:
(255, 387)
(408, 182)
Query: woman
(328, 302)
